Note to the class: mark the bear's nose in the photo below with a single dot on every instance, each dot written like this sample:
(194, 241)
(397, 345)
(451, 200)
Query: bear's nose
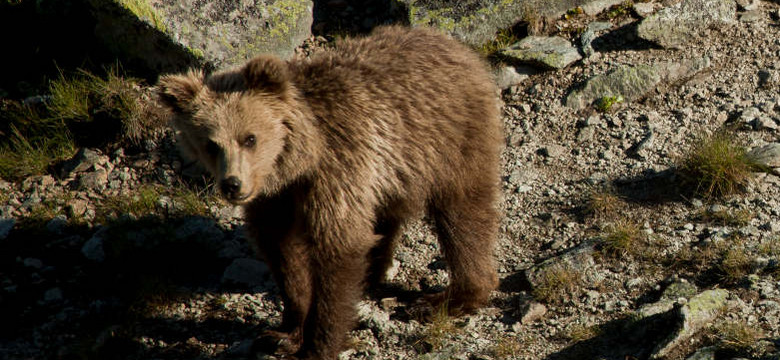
(230, 186)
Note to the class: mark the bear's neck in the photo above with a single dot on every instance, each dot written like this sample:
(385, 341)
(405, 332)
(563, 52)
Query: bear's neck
(302, 149)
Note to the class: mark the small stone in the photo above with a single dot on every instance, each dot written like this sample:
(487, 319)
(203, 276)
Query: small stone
(77, 207)
(533, 312)
(53, 295)
(751, 16)
(84, 160)
(763, 123)
(95, 180)
(694, 315)
(33, 263)
(57, 224)
(93, 248)
(673, 26)
(644, 10)
(508, 76)
(554, 151)
(705, 353)
(587, 37)
(247, 272)
(747, 5)
(5, 227)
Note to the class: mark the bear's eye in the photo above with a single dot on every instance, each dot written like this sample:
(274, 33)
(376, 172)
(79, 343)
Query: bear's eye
(249, 141)
(212, 148)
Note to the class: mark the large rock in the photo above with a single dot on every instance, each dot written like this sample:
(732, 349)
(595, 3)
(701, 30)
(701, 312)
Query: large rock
(166, 35)
(692, 317)
(767, 155)
(550, 52)
(475, 22)
(673, 27)
(633, 82)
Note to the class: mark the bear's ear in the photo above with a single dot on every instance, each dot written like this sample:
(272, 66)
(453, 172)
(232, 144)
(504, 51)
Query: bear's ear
(177, 91)
(267, 73)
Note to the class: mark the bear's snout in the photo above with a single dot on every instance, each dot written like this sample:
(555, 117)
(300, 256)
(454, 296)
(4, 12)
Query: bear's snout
(230, 187)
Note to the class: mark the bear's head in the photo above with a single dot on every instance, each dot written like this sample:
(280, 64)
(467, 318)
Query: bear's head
(233, 122)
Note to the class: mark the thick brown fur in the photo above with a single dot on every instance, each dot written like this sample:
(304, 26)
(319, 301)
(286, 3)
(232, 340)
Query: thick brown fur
(331, 155)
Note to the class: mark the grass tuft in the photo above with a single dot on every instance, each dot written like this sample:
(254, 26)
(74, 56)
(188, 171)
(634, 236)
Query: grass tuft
(737, 336)
(21, 156)
(508, 347)
(606, 103)
(735, 265)
(441, 327)
(556, 282)
(622, 238)
(580, 332)
(503, 39)
(725, 217)
(604, 203)
(717, 167)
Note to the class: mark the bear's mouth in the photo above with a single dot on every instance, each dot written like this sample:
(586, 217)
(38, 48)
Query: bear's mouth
(238, 198)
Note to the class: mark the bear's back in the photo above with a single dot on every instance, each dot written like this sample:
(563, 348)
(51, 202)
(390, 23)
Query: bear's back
(410, 106)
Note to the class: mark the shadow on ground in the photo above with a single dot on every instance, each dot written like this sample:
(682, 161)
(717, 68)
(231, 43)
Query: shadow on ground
(58, 304)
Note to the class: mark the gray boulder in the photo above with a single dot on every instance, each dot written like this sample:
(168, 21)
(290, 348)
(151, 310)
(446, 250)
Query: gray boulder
(168, 36)
(550, 52)
(692, 317)
(475, 22)
(633, 82)
(673, 27)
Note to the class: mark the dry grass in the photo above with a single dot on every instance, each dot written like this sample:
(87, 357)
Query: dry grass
(725, 217)
(579, 332)
(438, 331)
(604, 203)
(622, 238)
(737, 336)
(735, 264)
(716, 167)
(507, 347)
(556, 282)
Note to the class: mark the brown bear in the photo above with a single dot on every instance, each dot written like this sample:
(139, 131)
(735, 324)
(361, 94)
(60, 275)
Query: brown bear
(332, 154)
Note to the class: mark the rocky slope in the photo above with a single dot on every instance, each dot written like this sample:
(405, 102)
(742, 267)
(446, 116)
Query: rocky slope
(181, 283)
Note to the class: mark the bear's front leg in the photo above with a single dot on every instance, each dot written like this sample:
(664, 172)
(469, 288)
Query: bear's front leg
(338, 280)
(278, 234)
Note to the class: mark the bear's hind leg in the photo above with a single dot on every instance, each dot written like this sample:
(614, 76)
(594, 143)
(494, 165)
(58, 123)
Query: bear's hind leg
(466, 225)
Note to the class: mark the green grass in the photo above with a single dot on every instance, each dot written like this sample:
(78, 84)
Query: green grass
(606, 103)
(21, 156)
(145, 201)
(716, 167)
(88, 98)
(33, 137)
(503, 39)
(621, 10)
